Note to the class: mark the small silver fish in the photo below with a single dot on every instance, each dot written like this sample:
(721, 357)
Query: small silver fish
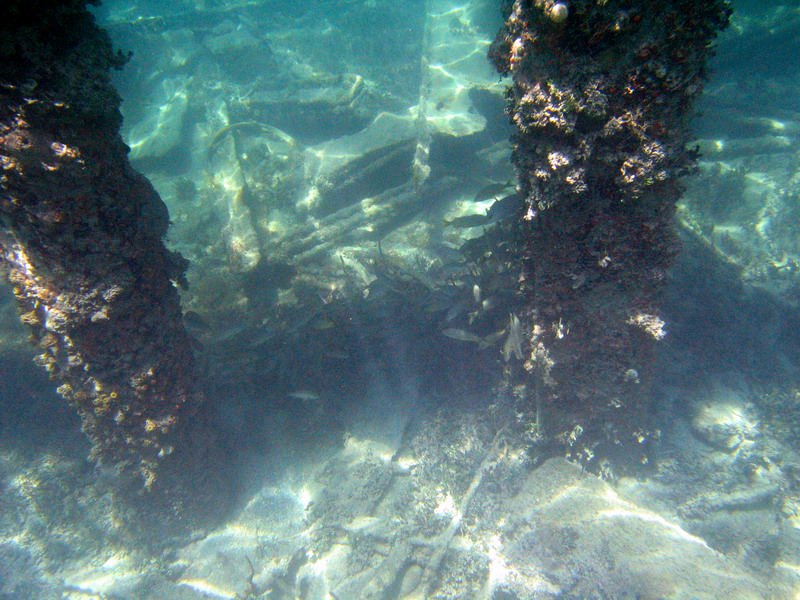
(492, 339)
(304, 395)
(476, 293)
(363, 523)
(260, 336)
(513, 343)
(455, 310)
(365, 277)
(461, 335)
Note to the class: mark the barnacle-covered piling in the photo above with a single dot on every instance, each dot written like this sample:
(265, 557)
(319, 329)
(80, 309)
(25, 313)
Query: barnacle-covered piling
(602, 96)
(81, 241)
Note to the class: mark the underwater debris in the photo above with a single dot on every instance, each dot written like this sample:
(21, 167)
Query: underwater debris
(442, 543)
(371, 218)
(273, 132)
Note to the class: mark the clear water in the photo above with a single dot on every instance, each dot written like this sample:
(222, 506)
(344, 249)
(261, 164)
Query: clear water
(354, 333)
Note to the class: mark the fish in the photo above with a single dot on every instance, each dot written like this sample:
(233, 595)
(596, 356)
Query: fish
(363, 523)
(234, 333)
(467, 221)
(379, 288)
(322, 324)
(462, 335)
(492, 190)
(304, 319)
(260, 336)
(466, 336)
(504, 208)
(476, 293)
(491, 339)
(304, 395)
(513, 343)
(439, 304)
(446, 246)
(194, 321)
(455, 310)
(500, 210)
(366, 278)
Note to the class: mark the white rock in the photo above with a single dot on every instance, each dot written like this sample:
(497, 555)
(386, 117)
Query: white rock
(723, 424)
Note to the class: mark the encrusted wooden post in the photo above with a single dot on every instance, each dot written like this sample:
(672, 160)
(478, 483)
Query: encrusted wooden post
(81, 242)
(602, 96)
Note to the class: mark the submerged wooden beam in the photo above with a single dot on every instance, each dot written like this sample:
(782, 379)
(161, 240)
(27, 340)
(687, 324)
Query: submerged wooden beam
(367, 219)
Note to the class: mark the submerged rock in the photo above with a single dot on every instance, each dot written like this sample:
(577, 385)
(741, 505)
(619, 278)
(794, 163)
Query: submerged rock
(160, 131)
(724, 424)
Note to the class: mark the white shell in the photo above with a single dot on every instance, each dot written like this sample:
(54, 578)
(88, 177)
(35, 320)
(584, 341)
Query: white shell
(559, 12)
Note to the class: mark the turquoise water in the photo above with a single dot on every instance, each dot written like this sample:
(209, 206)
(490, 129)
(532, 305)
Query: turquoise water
(339, 176)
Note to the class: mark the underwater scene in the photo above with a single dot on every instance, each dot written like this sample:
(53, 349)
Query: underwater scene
(428, 299)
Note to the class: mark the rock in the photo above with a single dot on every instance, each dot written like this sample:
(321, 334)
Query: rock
(411, 580)
(567, 524)
(723, 424)
(226, 38)
(160, 130)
